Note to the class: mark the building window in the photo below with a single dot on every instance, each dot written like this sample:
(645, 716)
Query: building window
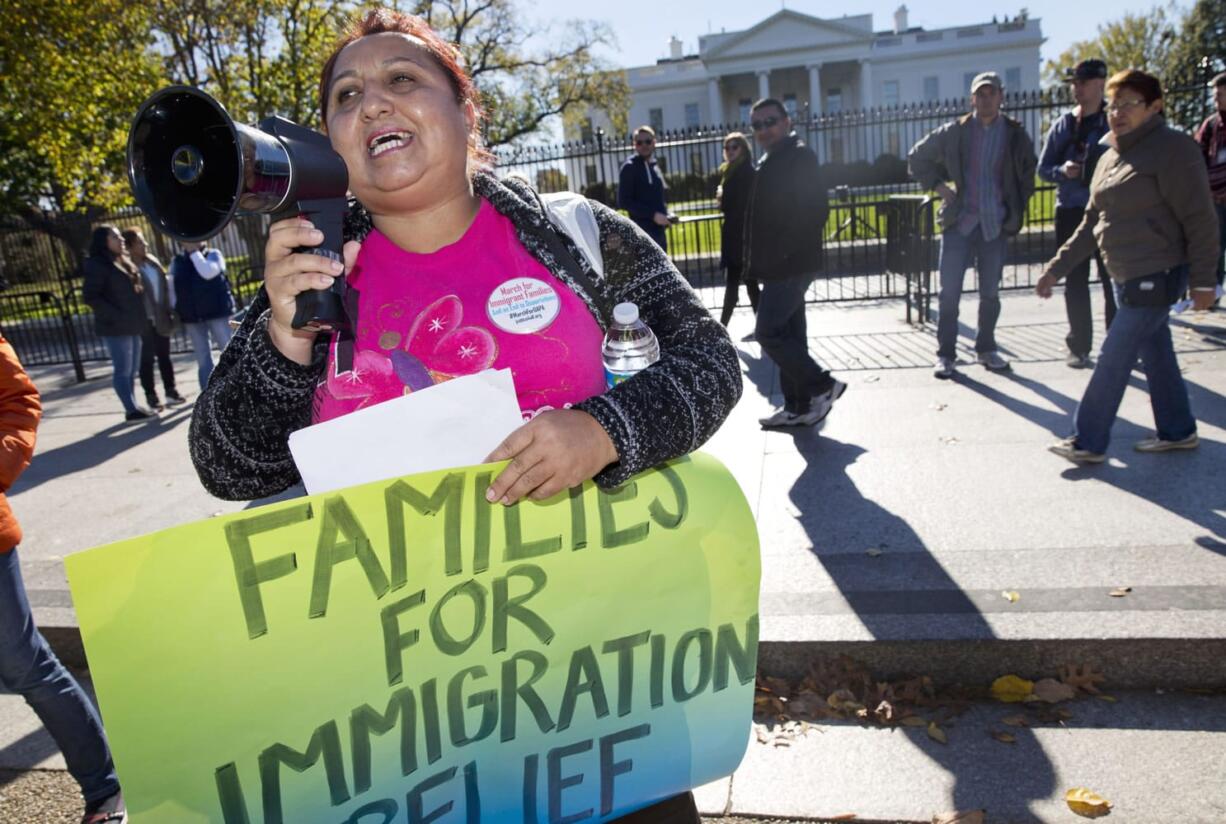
(789, 105)
(932, 88)
(589, 173)
(889, 93)
(691, 116)
(1013, 80)
(585, 131)
(834, 100)
(743, 107)
(836, 149)
(893, 143)
(696, 163)
(655, 119)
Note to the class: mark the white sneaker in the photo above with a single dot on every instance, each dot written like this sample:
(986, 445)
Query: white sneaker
(993, 361)
(824, 402)
(782, 417)
(945, 369)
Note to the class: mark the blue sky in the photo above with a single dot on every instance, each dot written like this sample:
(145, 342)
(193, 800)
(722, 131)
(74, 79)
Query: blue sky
(643, 27)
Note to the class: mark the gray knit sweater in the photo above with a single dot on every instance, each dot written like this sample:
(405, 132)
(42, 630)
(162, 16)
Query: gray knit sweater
(241, 423)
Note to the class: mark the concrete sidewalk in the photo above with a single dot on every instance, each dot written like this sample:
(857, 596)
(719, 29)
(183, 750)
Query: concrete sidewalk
(950, 487)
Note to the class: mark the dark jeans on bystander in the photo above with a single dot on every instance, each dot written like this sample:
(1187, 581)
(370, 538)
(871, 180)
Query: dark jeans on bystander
(1080, 338)
(782, 333)
(155, 345)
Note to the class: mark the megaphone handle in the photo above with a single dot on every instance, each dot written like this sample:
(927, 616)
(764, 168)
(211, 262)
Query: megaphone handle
(323, 310)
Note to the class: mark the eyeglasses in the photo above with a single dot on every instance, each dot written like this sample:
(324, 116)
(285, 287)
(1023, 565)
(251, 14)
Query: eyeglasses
(1123, 105)
(764, 123)
(728, 147)
(646, 142)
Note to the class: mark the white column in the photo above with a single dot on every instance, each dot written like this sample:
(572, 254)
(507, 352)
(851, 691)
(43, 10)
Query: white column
(716, 101)
(866, 84)
(815, 89)
(764, 83)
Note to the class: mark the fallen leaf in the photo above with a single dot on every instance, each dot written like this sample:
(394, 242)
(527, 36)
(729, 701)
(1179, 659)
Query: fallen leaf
(872, 379)
(1084, 678)
(1087, 803)
(959, 817)
(844, 817)
(1015, 721)
(1010, 689)
(940, 407)
(1120, 592)
(937, 734)
(913, 721)
(1011, 595)
(1110, 699)
(1003, 737)
(884, 712)
(872, 552)
(1053, 691)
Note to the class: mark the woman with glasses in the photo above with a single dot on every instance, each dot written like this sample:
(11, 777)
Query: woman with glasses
(640, 188)
(1151, 214)
(735, 183)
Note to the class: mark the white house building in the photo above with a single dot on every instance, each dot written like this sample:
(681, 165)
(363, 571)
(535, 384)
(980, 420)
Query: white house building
(820, 66)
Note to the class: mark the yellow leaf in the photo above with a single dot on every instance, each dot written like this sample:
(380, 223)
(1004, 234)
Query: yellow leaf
(1011, 595)
(913, 721)
(1110, 699)
(1003, 737)
(1087, 803)
(1011, 689)
(1015, 721)
(936, 733)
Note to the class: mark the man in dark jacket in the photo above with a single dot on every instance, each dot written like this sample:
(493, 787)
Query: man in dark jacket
(1070, 153)
(783, 250)
(982, 166)
(640, 188)
(203, 302)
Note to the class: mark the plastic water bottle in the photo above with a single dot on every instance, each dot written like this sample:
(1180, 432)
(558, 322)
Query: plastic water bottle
(629, 346)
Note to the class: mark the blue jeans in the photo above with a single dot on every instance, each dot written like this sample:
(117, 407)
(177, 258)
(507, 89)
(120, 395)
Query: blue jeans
(29, 667)
(199, 333)
(1143, 331)
(781, 332)
(125, 363)
(957, 252)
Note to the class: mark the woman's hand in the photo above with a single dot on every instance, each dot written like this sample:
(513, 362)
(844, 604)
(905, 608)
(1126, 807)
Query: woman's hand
(1044, 286)
(286, 273)
(554, 451)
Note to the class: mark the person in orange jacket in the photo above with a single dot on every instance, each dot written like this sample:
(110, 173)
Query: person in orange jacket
(27, 664)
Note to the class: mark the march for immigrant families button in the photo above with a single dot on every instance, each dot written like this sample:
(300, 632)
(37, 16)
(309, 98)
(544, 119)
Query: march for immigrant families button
(523, 305)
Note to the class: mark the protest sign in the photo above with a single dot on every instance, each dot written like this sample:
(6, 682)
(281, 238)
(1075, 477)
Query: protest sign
(403, 651)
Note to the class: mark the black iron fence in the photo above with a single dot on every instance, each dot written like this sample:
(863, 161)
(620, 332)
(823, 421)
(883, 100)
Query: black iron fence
(878, 239)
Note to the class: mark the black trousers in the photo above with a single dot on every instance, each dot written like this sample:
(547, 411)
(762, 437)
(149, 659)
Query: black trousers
(680, 809)
(732, 287)
(155, 345)
(1080, 338)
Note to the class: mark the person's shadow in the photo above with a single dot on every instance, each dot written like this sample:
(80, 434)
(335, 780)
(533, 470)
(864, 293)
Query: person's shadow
(894, 595)
(97, 448)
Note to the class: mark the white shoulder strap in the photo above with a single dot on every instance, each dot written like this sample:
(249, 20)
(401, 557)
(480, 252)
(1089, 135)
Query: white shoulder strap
(572, 213)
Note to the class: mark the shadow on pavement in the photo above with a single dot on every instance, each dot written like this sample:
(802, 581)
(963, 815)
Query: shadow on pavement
(890, 593)
(97, 448)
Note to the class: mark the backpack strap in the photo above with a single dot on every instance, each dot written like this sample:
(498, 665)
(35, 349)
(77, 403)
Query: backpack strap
(551, 236)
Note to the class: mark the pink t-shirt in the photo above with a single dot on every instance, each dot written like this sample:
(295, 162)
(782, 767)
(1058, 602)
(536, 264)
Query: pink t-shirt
(481, 303)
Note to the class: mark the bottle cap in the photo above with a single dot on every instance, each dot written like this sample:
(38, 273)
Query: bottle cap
(625, 313)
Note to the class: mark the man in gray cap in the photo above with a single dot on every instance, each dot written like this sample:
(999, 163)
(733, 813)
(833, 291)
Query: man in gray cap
(1070, 153)
(982, 166)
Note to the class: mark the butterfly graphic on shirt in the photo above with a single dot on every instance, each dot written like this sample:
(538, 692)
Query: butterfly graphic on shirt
(437, 348)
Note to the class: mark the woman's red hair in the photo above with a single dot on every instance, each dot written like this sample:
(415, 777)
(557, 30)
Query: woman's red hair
(446, 55)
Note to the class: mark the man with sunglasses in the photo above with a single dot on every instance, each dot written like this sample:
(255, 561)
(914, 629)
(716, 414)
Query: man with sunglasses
(640, 188)
(982, 165)
(783, 251)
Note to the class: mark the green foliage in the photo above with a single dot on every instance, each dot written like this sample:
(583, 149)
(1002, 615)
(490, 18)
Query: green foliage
(1135, 41)
(1197, 55)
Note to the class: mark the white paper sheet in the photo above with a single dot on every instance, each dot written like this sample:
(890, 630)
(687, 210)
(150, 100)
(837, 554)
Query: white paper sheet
(456, 423)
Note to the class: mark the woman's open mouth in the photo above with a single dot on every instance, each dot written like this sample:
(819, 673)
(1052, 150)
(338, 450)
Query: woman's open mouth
(385, 142)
